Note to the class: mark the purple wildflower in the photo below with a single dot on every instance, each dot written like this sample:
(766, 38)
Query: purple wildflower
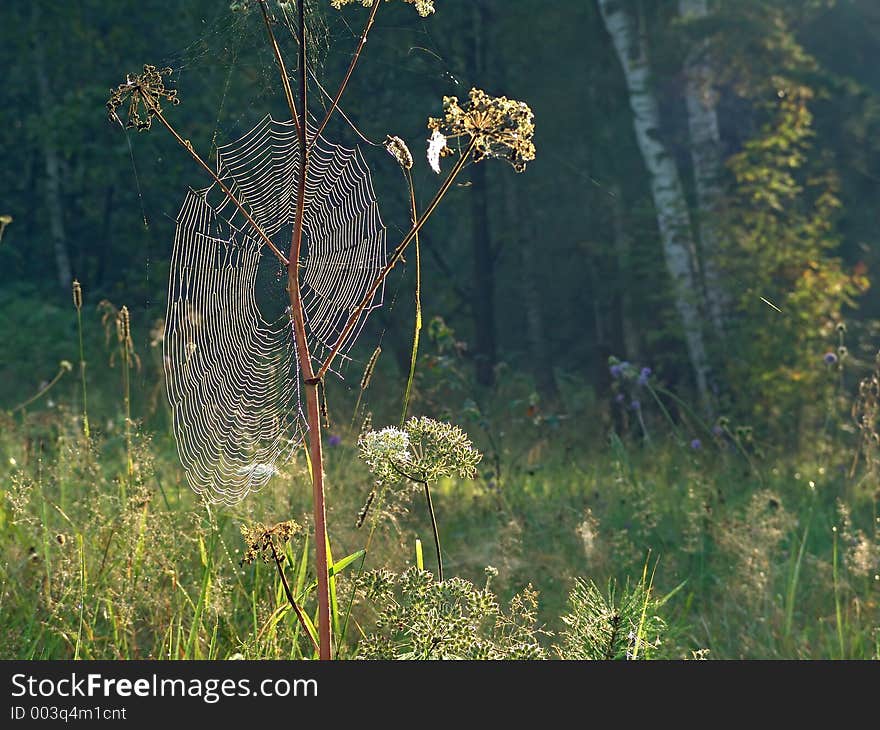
(334, 440)
(635, 405)
(619, 398)
(696, 444)
(830, 358)
(616, 370)
(644, 375)
(717, 430)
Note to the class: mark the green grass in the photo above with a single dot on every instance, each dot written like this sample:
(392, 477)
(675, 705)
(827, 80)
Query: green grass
(106, 553)
(90, 571)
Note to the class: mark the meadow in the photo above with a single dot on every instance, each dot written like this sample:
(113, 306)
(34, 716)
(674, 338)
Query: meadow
(601, 307)
(710, 543)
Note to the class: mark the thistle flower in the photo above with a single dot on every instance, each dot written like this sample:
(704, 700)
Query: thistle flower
(144, 90)
(500, 127)
(423, 7)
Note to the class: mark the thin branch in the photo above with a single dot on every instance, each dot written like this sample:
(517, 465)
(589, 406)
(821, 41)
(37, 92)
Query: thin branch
(42, 391)
(395, 257)
(436, 533)
(285, 81)
(417, 328)
(351, 67)
(290, 599)
(342, 113)
(187, 145)
(434, 527)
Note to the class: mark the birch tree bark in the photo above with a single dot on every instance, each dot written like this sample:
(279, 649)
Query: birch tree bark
(673, 218)
(54, 205)
(705, 147)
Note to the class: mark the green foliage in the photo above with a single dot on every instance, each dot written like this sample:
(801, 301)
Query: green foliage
(780, 237)
(419, 618)
(615, 625)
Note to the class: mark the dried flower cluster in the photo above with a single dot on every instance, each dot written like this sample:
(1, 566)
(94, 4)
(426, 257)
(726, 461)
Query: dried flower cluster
(500, 127)
(145, 90)
(266, 542)
(423, 7)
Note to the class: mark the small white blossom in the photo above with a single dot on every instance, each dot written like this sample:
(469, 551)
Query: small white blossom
(436, 145)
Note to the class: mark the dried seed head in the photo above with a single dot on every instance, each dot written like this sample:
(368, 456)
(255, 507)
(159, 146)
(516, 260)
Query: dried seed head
(423, 7)
(265, 542)
(77, 295)
(123, 325)
(144, 91)
(5, 220)
(500, 127)
(399, 151)
(371, 365)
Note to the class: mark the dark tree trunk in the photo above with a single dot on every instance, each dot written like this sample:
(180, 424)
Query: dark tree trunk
(523, 237)
(54, 204)
(623, 251)
(483, 297)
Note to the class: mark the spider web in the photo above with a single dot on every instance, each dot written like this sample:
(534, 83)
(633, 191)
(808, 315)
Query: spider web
(230, 355)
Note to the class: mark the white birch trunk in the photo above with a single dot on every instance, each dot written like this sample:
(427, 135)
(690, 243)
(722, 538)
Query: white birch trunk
(54, 205)
(673, 218)
(701, 98)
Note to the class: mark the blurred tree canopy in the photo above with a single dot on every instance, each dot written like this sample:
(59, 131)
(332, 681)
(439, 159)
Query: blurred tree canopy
(547, 273)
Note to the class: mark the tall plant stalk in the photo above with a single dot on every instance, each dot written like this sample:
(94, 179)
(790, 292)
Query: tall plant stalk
(354, 60)
(313, 411)
(77, 303)
(123, 332)
(395, 258)
(417, 328)
(149, 93)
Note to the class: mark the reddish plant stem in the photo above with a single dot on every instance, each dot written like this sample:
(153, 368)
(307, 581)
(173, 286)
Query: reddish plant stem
(395, 257)
(351, 67)
(313, 413)
(285, 81)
